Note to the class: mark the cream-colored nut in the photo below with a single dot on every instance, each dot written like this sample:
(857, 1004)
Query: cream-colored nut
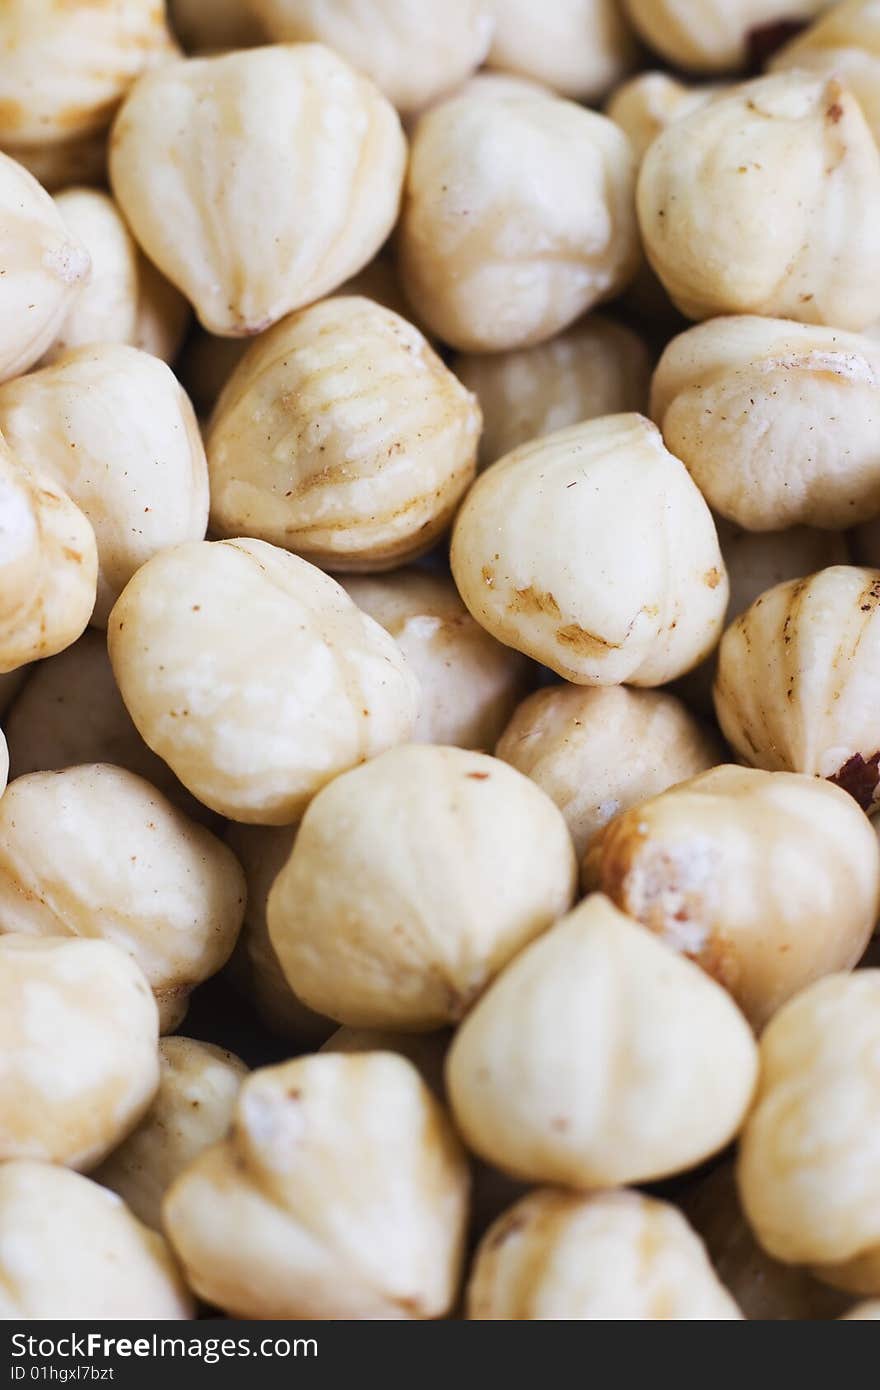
(711, 35)
(843, 42)
(646, 104)
(78, 1027)
(163, 315)
(426, 1051)
(72, 1250)
(192, 1109)
(254, 676)
(789, 152)
(600, 1056)
(768, 880)
(341, 1192)
(560, 1256)
(597, 752)
(775, 421)
(209, 26)
(65, 163)
(599, 367)
(70, 712)
(808, 1173)
(867, 1310)
(470, 683)
(593, 551)
(414, 50)
(114, 428)
(318, 159)
(518, 217)
(262, 851)
(342, 436)
(797, 680)
(95, 851)
(48, 566)
(413, 881)
(44, 268)
(580, 48)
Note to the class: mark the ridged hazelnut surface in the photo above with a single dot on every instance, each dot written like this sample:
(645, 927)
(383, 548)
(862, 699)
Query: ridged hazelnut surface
(341, 1192)
(79, 1034)
(710, 35)
(95, 851)
(621, 1256)
(259, 180)
(768, 880)
(600, 1056)
(791, 152)
(343, 437)
(593, 551)
(254, 676)
(649, 102)
(518, 217)
(412, 882)
(843, 41)
(580, 48)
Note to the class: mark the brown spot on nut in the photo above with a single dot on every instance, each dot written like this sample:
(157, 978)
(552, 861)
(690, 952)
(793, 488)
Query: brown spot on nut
(712, 577)
(859, 776)
(533, 600)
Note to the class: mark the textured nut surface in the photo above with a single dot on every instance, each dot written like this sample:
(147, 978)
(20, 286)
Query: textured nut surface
(257, 181)
(598, 367)
(578, 47)
(342, 436)
(412, 882)
(340, 1193)
(597, 752)
(792, 151)
(592, 551)
(710, 35)
(843, 42)
(610, 1256)
(600, 1056)
(254, 676)
(113, 427)
(469, 682)
(518, 217)
(646, 104)
(776, 421)
(798, 675)
(768, 880)
(78, 1027)
(72, 1250)
(808, 1164)
(96, 851)
(192, 1109)
(414, 50)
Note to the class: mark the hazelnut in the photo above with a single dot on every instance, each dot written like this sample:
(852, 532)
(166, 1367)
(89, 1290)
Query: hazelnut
(341, 1192)
(562, 1256)
(255, 676)
(578, 47)
(649, 102)
(600, 1056)
(710, 35)
(518, 217)
(426, 1051)
(844, 41)
(112, 426)
(79, 1048)
(792, 152)
(318, 159)
(97, 851)
(598, 367)
(342, 436)
(192, 1109)
(163, 315)
(593, 551)
(412, 882)
(600, 751)
(470, 683)
(768, 880)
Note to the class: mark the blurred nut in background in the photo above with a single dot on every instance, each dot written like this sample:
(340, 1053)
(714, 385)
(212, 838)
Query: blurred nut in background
(767, 880)
(649, 102)
(599, 367)
(710, 35)
(597, 752)
(257, 181)
(79, 1036)
(610, 1256)
(192, 1109)
(580, 48)
(342, 436)
(592, 551)
(341, 1192)
(254, 676)
(600, 1056)
(844, 42)
(518, 217)
(412, 882)
(792, 152)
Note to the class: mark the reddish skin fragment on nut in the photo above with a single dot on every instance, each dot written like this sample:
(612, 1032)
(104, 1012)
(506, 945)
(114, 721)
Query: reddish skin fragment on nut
(859, 776)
